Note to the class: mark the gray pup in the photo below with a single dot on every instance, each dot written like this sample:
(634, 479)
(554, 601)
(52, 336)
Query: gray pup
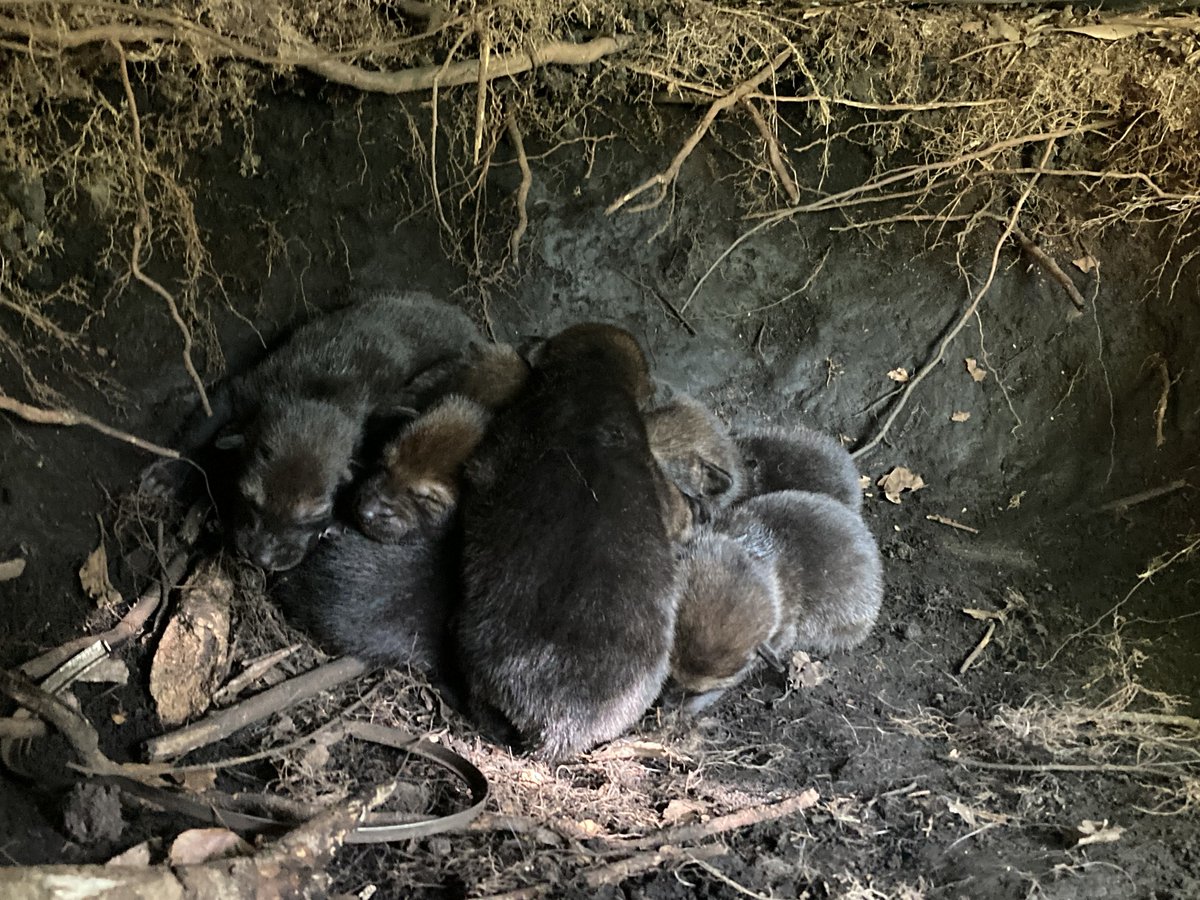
(729, 609)
(827, 564)
(417, 486)
(299, 415)
(696, 452)
(801, 459)
(569, 591)
(386, 604)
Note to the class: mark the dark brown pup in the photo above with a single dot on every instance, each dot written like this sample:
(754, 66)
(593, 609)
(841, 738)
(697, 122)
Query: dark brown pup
(417, 486)
(297, 418)
(569, 594)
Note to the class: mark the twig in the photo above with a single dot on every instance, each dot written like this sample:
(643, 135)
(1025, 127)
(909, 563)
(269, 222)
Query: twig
(69, 417)
(1142, 496)
(74, 727)
(943, 520)
(1147, 768)
(514, 241)
(228, 721)
(979, 648)
(20, 729)
(143, 224)
(663, 180)
(129, 627)
(1048, 262)
(615, 873)
(1160, 409)
(743, 818)
(254, 670)
(773, 152)
(485, 53)
(961, 323)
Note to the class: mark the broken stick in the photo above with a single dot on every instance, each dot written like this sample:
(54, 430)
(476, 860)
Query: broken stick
(69, 417)
(220, 725)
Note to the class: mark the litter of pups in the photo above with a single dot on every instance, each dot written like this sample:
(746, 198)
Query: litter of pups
(545, 540)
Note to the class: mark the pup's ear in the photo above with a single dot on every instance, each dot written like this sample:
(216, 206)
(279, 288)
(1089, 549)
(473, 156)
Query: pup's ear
(716, 480)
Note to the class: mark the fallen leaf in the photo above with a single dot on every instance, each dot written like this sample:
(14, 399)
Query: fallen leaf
(899, 375)
(984, 615)
(1085, 264)
(960, 416)
(591, 828)
(118, 718)
(805, 672)
(963, 811)
(974, 369)
(11, 568)
(192, 658)
(93, 576)
(1014, 502)
(899, 480)
(864, 482)
(1106, 32)
(998, 27)
(532, 776)
(1092, 832)
(199, 845)
(679, 812)
(197, 781)
(138, 856)
(972, 27)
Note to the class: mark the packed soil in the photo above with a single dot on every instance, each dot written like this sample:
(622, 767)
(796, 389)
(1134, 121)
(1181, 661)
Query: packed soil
(1039, 769)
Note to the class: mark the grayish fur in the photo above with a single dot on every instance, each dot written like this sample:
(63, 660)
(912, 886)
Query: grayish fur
(798, 459)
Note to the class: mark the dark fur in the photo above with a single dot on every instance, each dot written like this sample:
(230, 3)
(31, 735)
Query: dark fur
(388, 604)
(417, 486)
(798, 459)
(494, 375)
(826, 560)
(729, 608)
(569, 578)
(695, 452)
(300, 414)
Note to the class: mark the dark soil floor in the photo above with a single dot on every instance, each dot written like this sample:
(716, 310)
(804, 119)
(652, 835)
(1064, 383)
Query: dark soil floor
(800, 324)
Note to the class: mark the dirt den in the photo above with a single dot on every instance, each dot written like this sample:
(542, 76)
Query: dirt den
(1061, 763)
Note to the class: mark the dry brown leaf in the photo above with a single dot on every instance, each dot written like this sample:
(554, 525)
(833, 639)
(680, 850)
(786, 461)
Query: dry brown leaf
(1110, 32)
(984, 615)
(118, 718)
(974, 369)
(805, 672)
(864, 482)
(899, 375)
(1085, 264)
(591, 828)
(900, 479)
(1014, 502)
(192, 658)
(1000, 28)
(680, 812)
(11, 568)
(199, 845)
(1090, 831)
(138, 855)
(197, 781)
(93, 576)
(960, 416)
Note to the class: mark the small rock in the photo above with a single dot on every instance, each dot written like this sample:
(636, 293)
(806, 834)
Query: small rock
(92, 814)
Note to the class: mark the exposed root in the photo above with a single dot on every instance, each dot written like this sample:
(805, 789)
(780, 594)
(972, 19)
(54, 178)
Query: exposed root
(663, 180)
(69, 417)
(514, 241)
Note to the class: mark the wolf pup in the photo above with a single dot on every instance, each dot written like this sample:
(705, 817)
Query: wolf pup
(297, 417)
(569, 590)
(827, 563)
(801, 459)
(696, 452)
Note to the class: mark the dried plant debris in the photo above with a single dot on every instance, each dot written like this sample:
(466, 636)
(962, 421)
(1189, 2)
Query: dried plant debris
(899, 480)
(192, 658)
(12, 568)
(977, 372)
(199, 845)
(93, 578)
